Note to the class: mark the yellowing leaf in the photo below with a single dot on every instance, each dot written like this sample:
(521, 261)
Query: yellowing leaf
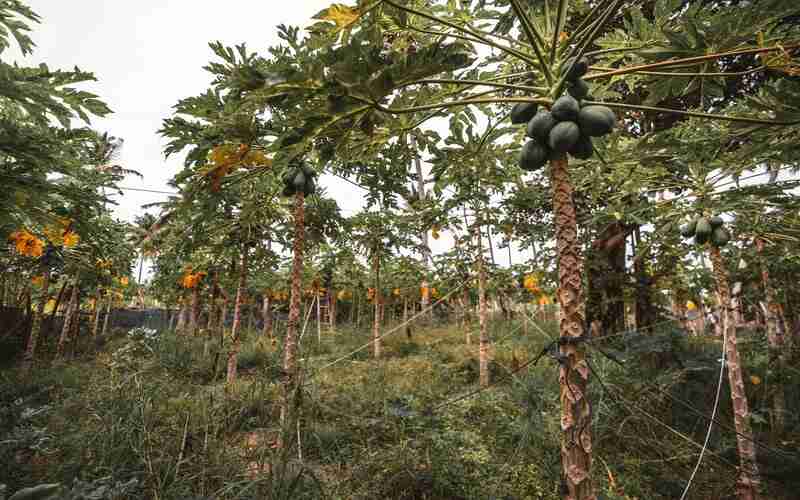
(341, 15)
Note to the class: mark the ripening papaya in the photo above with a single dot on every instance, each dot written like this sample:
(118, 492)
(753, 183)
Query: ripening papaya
(720, 237)
(582, 149)
(566, 108)
(596, 120)
(564, 136)
(716, 222)
(578, 89)
(540, 125)
(703, 227)
(687, 230)
(533, 156)
(523, 112)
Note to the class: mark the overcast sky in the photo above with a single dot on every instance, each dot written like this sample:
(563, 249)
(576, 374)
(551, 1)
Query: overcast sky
(149, 54)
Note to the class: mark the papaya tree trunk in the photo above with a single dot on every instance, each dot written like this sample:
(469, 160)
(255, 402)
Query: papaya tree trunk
(290, 343)
(775, 341)
(98, 309)
(194, 311)
(236, 342)
(266, 312)
(749, 479)
(181, 326)
(107, 319)
(38, 315)
(483, 340)
(376, 334)
(68, 319)
(466, 306)
(573, 377)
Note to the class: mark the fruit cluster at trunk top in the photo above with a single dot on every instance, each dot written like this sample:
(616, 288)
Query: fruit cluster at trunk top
(568, 127)
(299, 178)
(707, 229)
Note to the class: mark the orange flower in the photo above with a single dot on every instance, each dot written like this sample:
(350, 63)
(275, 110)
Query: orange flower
(27, 244)
(123, 281)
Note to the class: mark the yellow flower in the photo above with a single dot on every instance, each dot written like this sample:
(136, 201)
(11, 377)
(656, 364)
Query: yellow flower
(531, 283)
(545, 300)
(49, 306)
(123, 281)
(71, 239)
(691, 306)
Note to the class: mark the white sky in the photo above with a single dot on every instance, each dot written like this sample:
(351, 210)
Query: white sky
(149, 54)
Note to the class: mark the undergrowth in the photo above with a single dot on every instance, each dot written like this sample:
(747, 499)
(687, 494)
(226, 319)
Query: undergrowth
(149, 416)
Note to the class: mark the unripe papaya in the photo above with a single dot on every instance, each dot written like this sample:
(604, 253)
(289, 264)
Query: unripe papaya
(288, 191)
(564, 136)
(578, 69)
(523, 112)
(540, 125)
(596, 120)
(533, 156)
(703, 227)
(299, 180)
(578, 89)
(720, 237)
(583, 148)
(687, 230)
(716, 222)
(566, 108)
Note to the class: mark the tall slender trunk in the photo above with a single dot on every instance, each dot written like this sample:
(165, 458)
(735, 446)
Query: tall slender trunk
(107, 320)
(775, 341)
(266, 312)
(181, 326)
(749, 478)
(332, 304)
(36, 326)
(483, 349)
(405, 317)
(290, 342)
(466, 305)
(194, 310)
(236, 342)
(573, 376)
(376, 334)
(68, 319)
(98, 309)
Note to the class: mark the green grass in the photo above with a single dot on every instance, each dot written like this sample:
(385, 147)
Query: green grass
(146, 419)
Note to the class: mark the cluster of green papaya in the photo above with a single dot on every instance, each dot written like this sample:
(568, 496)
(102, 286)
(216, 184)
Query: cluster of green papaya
(568, 127)
(707, 229)
(299, 178)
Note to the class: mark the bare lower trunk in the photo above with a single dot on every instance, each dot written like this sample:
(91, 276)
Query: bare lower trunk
(405, 318)
(179, 328)
(98, 308)
(376, 334)
(266, 312)
(466, 304)
(68, 319)
(290, 342)
(107, 320)
(237, 319)
(749, 479)
(775, 341)
(194, 311)
(483, 341)
(38, 315)
(573, 377)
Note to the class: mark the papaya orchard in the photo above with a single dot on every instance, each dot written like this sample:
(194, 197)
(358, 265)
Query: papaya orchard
(311, 350)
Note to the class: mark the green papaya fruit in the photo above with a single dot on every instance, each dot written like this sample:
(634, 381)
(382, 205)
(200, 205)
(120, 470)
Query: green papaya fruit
(703, 227)
(687, 230)
(288, 176)
(308, 171)
(582, 149)
(578, 89)
(523, 112)
(310, 187)
(540, 125)
(578, 69)
(288, 191)
(299, 180)
(596, 120)
(716, 222)
(563, 136)
(720, 237)
(700, 238)
(566, 108)
(533, 156)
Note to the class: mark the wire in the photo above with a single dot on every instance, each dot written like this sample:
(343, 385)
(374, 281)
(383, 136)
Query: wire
(714, 411)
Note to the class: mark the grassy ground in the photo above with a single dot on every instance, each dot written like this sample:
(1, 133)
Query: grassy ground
(149, 416)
